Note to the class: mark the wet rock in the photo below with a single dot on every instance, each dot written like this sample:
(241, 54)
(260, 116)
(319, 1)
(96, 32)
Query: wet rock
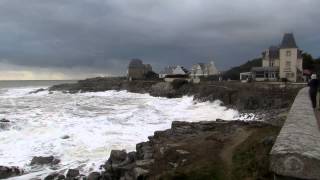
(4, 120)
(117, 156)
(6, 172)
(94, 176)
(40, 160)
(51, 176)
(132, 156)
(55, 176)
(73, 173)
(140, 173)
(4, 124)
(61, 177)
(36, 91)
(144, 150)
(106, 176)
(65, 137)
(145, 163)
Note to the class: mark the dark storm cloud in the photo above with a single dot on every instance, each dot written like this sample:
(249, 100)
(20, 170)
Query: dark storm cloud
(104, 34)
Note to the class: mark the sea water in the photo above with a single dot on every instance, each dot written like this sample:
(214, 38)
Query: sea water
(95, 123)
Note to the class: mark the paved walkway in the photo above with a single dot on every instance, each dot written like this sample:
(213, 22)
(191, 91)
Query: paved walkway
(317, 113)
(296, 152)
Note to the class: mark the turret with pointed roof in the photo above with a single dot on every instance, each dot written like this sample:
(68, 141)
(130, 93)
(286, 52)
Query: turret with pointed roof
(288, 41)
(286, 57)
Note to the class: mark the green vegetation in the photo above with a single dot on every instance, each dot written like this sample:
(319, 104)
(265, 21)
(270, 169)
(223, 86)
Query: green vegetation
(251, 158)
(234, 73)
(310, 63)
(210, 172)
(250, 161)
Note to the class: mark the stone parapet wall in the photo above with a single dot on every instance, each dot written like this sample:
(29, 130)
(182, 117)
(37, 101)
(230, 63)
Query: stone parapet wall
(296, 152)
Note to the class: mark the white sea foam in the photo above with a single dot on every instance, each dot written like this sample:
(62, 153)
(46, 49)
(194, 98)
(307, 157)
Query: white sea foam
(96, 123)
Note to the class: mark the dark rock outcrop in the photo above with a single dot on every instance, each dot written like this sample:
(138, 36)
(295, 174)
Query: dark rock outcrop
(6, 172)
(198, 150)
(40, 160)
(65, 137)
(37, 91)
(55, 176)
(73, 174)
(94, 176)
(4, 120)
(4, 124)
(241, 96)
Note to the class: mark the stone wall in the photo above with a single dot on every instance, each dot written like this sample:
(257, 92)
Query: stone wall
(296, 152)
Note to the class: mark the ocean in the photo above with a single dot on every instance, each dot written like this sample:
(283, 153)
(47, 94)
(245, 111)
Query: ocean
(95, 123)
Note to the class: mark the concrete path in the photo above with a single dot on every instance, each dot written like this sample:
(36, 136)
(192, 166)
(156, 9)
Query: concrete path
(317, 113)
(296, 152)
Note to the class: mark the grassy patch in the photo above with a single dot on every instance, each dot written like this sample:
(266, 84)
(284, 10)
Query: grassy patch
(251, 158)
(213, 172)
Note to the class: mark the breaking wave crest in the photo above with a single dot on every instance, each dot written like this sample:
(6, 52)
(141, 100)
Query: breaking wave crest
(95, 123)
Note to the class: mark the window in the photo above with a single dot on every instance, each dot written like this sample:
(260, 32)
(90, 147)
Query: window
(289, 75)
(259, 75)
(288, 53)
(287, 66)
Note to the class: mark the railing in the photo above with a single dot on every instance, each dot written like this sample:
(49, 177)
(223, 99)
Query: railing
(296, 152)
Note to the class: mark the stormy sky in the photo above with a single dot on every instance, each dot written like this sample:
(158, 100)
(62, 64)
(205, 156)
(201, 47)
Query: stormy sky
(74, 39)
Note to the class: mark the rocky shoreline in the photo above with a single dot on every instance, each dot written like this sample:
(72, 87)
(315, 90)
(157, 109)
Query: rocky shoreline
(240, 96)
(198, 150)
(201, 150)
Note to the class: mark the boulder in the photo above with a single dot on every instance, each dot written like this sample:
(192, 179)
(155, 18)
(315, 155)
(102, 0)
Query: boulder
(4, 120)
(36, 91)
(94, 176)
(117, 156)
(40, 160)
(6, 172)
(65, 137)
(4, 123)
(140, 173)
(73, 173)
(55, 176)
(61, 177)
(52, 176)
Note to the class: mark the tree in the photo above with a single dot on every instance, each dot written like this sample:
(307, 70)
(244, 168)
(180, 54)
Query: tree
(234, 73)
(308, 61)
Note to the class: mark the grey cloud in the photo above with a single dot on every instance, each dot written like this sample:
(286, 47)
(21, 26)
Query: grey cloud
(104, 34)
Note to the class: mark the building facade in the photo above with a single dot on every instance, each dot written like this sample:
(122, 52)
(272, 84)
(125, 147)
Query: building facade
(137, 70)
(203, 70)
(173, 71)
(283, 61)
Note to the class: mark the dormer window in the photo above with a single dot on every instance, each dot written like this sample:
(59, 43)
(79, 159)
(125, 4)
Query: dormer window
(288, 53)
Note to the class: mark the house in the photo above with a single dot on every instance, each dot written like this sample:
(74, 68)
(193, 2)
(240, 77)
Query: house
(171, 73)
(137, 70)
(167, 70)
(246, 76)
(265, 73)
(203, 70)
(283, 62)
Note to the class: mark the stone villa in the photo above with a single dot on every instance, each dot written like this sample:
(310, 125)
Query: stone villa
(283, 62)
(137, 70)
(203, 70)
